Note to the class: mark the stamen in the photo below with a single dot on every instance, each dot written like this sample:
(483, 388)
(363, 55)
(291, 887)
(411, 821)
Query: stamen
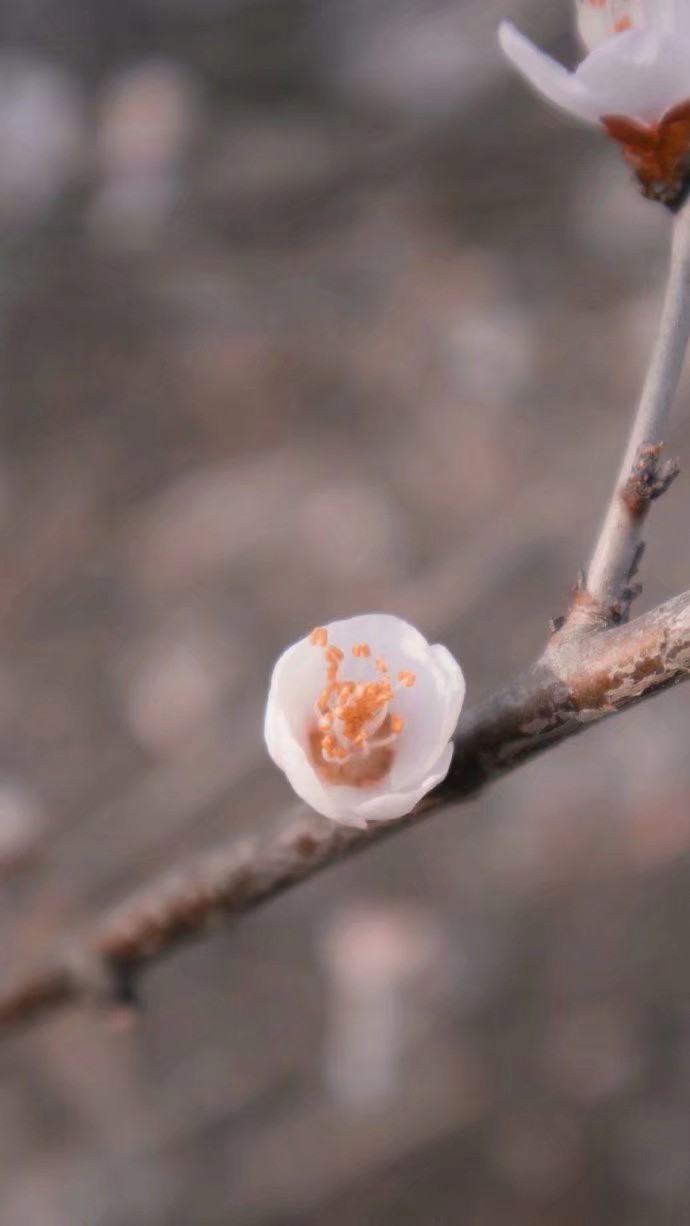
(323, 700)
(354, 724)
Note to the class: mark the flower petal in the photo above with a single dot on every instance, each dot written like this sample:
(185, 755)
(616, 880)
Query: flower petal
(551, 79)
(388, 806)
(297, 680)
(674, 16)
(637, 74)
(431, 710)
(453, 686)
(288, 754)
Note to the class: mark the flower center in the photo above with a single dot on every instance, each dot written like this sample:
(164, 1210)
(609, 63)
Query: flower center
(355, 729)
(599, 20)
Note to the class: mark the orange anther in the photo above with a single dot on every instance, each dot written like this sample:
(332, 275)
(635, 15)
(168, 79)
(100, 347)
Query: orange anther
(351, 714)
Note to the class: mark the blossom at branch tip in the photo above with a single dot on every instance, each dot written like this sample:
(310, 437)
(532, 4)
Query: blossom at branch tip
(360, 717)
(635, 80)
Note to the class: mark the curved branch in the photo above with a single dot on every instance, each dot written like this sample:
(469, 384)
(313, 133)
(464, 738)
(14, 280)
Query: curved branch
(576, 683)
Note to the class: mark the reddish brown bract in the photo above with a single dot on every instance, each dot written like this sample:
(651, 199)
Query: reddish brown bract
(658, 153)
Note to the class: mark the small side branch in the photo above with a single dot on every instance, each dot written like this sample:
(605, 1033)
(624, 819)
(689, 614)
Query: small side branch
(609, 590)
(579, 681)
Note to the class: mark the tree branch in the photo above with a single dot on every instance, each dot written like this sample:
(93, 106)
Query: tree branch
(608, 592)
(578, 681)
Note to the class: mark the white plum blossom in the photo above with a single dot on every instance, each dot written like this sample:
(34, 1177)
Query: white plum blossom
(360, 717)
(638, 63)
(635, 80)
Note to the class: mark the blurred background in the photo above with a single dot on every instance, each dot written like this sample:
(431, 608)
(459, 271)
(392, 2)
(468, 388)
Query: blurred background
(307, 307)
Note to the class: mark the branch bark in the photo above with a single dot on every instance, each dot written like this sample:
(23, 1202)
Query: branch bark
(609, 591)
(577, 682)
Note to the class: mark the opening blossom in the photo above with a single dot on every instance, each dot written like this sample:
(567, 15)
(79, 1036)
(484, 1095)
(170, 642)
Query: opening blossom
(635, 81)
(360, 716)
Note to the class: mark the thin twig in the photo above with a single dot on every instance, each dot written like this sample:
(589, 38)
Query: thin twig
(576, 683)
(608, 590)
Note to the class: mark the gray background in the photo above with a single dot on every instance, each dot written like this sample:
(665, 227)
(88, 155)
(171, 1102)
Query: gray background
(308, 307)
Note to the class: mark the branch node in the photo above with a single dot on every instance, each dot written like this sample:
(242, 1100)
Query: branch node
(108, 983)
(648, 480)
(585, 613)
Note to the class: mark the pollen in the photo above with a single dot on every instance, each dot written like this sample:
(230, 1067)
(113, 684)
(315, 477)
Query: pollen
(355, 726)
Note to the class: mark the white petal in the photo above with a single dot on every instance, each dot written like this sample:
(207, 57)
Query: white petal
(390, 805)
(298, 678)
(290, 756)
(453, 685)
(386, 634)
(673, 15)
(635, 74)
(548, 77)
(431, 709)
